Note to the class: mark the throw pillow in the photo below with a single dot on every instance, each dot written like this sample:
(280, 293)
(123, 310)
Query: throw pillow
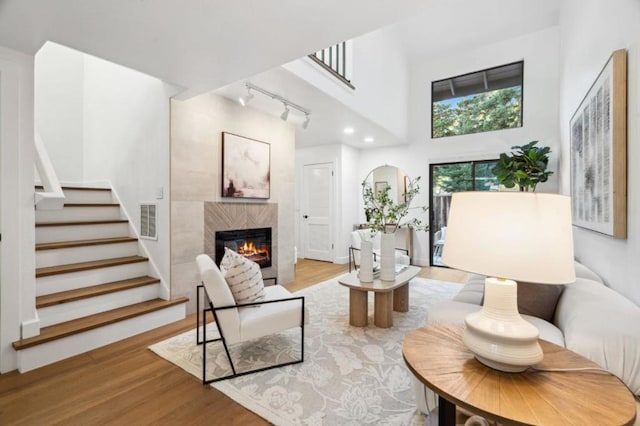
(243, 277)
(538, 300)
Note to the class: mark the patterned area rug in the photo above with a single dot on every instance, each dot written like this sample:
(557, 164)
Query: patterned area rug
(350, 375)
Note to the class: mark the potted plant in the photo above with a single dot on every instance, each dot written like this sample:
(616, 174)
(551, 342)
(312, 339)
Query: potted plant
(526, 167)
(386, 216)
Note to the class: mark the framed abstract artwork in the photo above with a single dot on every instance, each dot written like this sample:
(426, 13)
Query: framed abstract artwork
(246, 167)
(598, 131)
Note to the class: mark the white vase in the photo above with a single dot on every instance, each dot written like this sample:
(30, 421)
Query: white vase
(387, 257)
(366, 262)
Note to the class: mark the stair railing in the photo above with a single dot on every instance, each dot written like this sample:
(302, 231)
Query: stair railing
(51, 197)
(335, 60)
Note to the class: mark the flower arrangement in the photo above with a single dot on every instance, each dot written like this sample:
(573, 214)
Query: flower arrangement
(385, 215)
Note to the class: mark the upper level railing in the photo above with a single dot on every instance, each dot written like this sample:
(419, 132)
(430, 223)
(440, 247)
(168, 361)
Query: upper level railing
(51, 197)
(335, 60)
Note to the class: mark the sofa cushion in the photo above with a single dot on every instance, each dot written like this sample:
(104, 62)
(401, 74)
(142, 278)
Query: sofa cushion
(602, 325)
(584, 272)
(243, 277)
(548, 331)
(473, 290)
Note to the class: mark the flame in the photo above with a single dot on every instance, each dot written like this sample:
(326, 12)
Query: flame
(249, 249)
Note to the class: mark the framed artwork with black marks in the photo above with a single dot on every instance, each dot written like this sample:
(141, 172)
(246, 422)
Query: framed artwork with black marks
(246, 167)
(598, 132)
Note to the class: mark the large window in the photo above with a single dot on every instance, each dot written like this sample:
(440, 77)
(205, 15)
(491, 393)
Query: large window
(481, 101)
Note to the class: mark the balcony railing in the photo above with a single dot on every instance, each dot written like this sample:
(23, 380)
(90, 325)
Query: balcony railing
(335, 60)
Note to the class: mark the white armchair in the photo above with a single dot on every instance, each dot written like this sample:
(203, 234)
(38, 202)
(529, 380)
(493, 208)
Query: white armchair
(402, 255)
(241, 322)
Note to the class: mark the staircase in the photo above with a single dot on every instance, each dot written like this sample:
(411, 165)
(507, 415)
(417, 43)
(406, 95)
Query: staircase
(93, 286)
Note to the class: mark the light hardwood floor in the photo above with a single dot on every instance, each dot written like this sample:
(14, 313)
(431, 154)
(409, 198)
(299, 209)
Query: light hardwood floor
(126, 384)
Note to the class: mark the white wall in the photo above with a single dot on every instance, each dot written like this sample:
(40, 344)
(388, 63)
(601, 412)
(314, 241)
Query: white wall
(540, 122)
(347, 209)
(591, 31)
(380, 77)
(126, 141)
(18, 317)
(102, 122)
(59, 109)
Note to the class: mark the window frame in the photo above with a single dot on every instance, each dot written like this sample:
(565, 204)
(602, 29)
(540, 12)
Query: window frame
(521, 61)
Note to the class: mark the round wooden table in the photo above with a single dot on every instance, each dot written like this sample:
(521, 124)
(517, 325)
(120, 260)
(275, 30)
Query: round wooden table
(439, 359)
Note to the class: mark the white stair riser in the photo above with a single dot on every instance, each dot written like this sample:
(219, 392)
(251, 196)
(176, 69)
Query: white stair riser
(48, 353)
(69, 311)
(64, 282)
(63, 256)
(86, 196)
(70, 214)
(52, 234)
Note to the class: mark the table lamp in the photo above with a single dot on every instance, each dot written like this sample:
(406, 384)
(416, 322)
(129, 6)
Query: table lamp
(509, 237)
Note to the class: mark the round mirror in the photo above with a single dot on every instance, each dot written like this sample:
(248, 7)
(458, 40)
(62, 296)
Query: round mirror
(390, 177)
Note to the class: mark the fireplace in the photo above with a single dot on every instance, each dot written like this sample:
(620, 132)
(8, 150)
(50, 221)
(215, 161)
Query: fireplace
(254, 244)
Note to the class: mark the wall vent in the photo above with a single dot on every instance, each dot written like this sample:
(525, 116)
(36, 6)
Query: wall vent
(148, 221)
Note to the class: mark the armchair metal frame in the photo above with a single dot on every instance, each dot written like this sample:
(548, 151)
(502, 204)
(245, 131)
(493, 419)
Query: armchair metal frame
(204, 341)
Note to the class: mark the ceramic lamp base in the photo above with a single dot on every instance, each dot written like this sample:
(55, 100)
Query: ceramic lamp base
(497, 335)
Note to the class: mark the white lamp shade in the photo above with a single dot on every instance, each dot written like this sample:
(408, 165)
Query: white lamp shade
(521, 236)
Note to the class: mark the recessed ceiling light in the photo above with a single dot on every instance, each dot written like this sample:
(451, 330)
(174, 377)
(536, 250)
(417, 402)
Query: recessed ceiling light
(369, 139)
(349, 130)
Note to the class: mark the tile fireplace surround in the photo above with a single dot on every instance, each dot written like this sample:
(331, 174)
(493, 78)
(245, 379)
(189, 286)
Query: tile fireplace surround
(230, 216)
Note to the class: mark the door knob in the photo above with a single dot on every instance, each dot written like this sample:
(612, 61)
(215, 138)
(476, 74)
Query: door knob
(305, 217)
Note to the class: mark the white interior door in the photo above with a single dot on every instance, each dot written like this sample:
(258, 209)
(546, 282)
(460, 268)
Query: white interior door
(316, 209)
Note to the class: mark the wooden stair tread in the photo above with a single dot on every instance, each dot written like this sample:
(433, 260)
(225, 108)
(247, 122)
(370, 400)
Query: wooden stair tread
(85, 222)
(84, 266)
(84, 243)
(58, 331)
(78, 188)
(92, 291)
(91, 205)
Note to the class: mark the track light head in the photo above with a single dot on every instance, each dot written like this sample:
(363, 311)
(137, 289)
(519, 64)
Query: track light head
(307, 120)
(244, 100)
(285, 114)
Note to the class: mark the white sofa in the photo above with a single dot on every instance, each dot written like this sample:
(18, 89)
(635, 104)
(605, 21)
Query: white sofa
(589, 318)
(402, 255)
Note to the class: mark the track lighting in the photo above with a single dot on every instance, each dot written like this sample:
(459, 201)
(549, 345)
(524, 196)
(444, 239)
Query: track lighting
(244, 100)
(285, 114)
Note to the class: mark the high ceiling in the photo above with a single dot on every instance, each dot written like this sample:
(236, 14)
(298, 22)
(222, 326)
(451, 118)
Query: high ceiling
(202, 45)
(447, 27)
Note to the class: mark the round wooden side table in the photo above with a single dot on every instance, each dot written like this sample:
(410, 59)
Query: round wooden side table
(439, 359)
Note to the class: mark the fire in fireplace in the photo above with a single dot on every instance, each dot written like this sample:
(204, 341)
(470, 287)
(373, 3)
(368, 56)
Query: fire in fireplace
(254, 244)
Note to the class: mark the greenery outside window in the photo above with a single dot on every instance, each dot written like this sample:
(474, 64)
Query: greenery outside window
(480, 101)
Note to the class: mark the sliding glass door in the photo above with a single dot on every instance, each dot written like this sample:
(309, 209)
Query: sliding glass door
(447, 178)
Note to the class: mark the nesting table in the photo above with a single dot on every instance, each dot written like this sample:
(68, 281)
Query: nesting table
(389, 296)
(439, 359)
